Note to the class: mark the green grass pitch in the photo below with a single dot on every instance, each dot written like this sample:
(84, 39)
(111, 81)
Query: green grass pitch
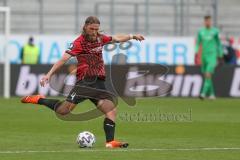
(156, 128)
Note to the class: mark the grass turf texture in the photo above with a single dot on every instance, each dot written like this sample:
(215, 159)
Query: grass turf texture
(203, 128)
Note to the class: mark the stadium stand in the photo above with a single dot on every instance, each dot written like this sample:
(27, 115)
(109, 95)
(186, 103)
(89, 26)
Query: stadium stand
(167, 17)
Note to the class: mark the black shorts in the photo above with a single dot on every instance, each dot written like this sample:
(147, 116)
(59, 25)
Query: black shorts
(92, 89)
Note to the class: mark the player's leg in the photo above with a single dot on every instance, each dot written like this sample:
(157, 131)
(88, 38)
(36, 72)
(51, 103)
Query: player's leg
(211, 70)
(71, 101)
(106, 102)
(110, 111)
(39, 99)
(205, 83)
(208, 67)
(65, 107)
(60, 107)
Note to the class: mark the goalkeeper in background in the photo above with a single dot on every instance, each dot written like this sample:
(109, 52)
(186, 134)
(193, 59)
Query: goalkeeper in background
(208, 39)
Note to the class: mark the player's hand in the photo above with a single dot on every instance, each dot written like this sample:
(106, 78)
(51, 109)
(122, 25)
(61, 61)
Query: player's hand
(44, 80)
(138, 37)
(196, 60)
(220, 61)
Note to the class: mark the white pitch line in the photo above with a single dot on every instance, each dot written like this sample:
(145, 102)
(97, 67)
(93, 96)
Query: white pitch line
(120, 150)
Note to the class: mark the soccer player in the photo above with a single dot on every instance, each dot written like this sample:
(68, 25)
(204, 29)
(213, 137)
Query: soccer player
(87, 48)
(208, 38)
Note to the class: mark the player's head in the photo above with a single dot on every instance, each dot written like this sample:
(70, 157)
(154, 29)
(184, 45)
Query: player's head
(230, 40)
(91, 28)
(31, 40)
(208, 21)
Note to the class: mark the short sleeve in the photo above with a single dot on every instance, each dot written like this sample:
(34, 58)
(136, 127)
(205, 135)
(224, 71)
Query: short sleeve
(74, 48)
(106, 39)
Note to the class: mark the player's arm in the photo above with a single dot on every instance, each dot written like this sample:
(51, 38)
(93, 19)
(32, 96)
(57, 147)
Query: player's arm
(54, 68)
(198, 43)
(126, 37)
(219, 45)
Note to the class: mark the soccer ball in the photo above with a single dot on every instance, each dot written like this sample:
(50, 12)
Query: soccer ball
(86, 139)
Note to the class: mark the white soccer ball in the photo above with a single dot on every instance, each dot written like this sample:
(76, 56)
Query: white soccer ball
(86, 139)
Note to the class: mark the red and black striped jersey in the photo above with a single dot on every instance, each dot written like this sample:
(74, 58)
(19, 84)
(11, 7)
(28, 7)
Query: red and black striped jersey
(89, 56)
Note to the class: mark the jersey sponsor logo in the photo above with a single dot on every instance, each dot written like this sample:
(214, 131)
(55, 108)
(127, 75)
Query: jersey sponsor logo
(96, 50)
(71, 45)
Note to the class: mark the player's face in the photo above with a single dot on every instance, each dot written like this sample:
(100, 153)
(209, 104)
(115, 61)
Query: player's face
(92, 31)
(208, 22)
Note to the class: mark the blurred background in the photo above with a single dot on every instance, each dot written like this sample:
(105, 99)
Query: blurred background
(149, 17)
(170, 27)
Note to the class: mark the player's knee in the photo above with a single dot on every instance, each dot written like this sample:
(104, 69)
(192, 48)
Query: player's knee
(65, 108)
(111, 114)
(62, 111)
(108, 108)
(105, 103)
(208, 75)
